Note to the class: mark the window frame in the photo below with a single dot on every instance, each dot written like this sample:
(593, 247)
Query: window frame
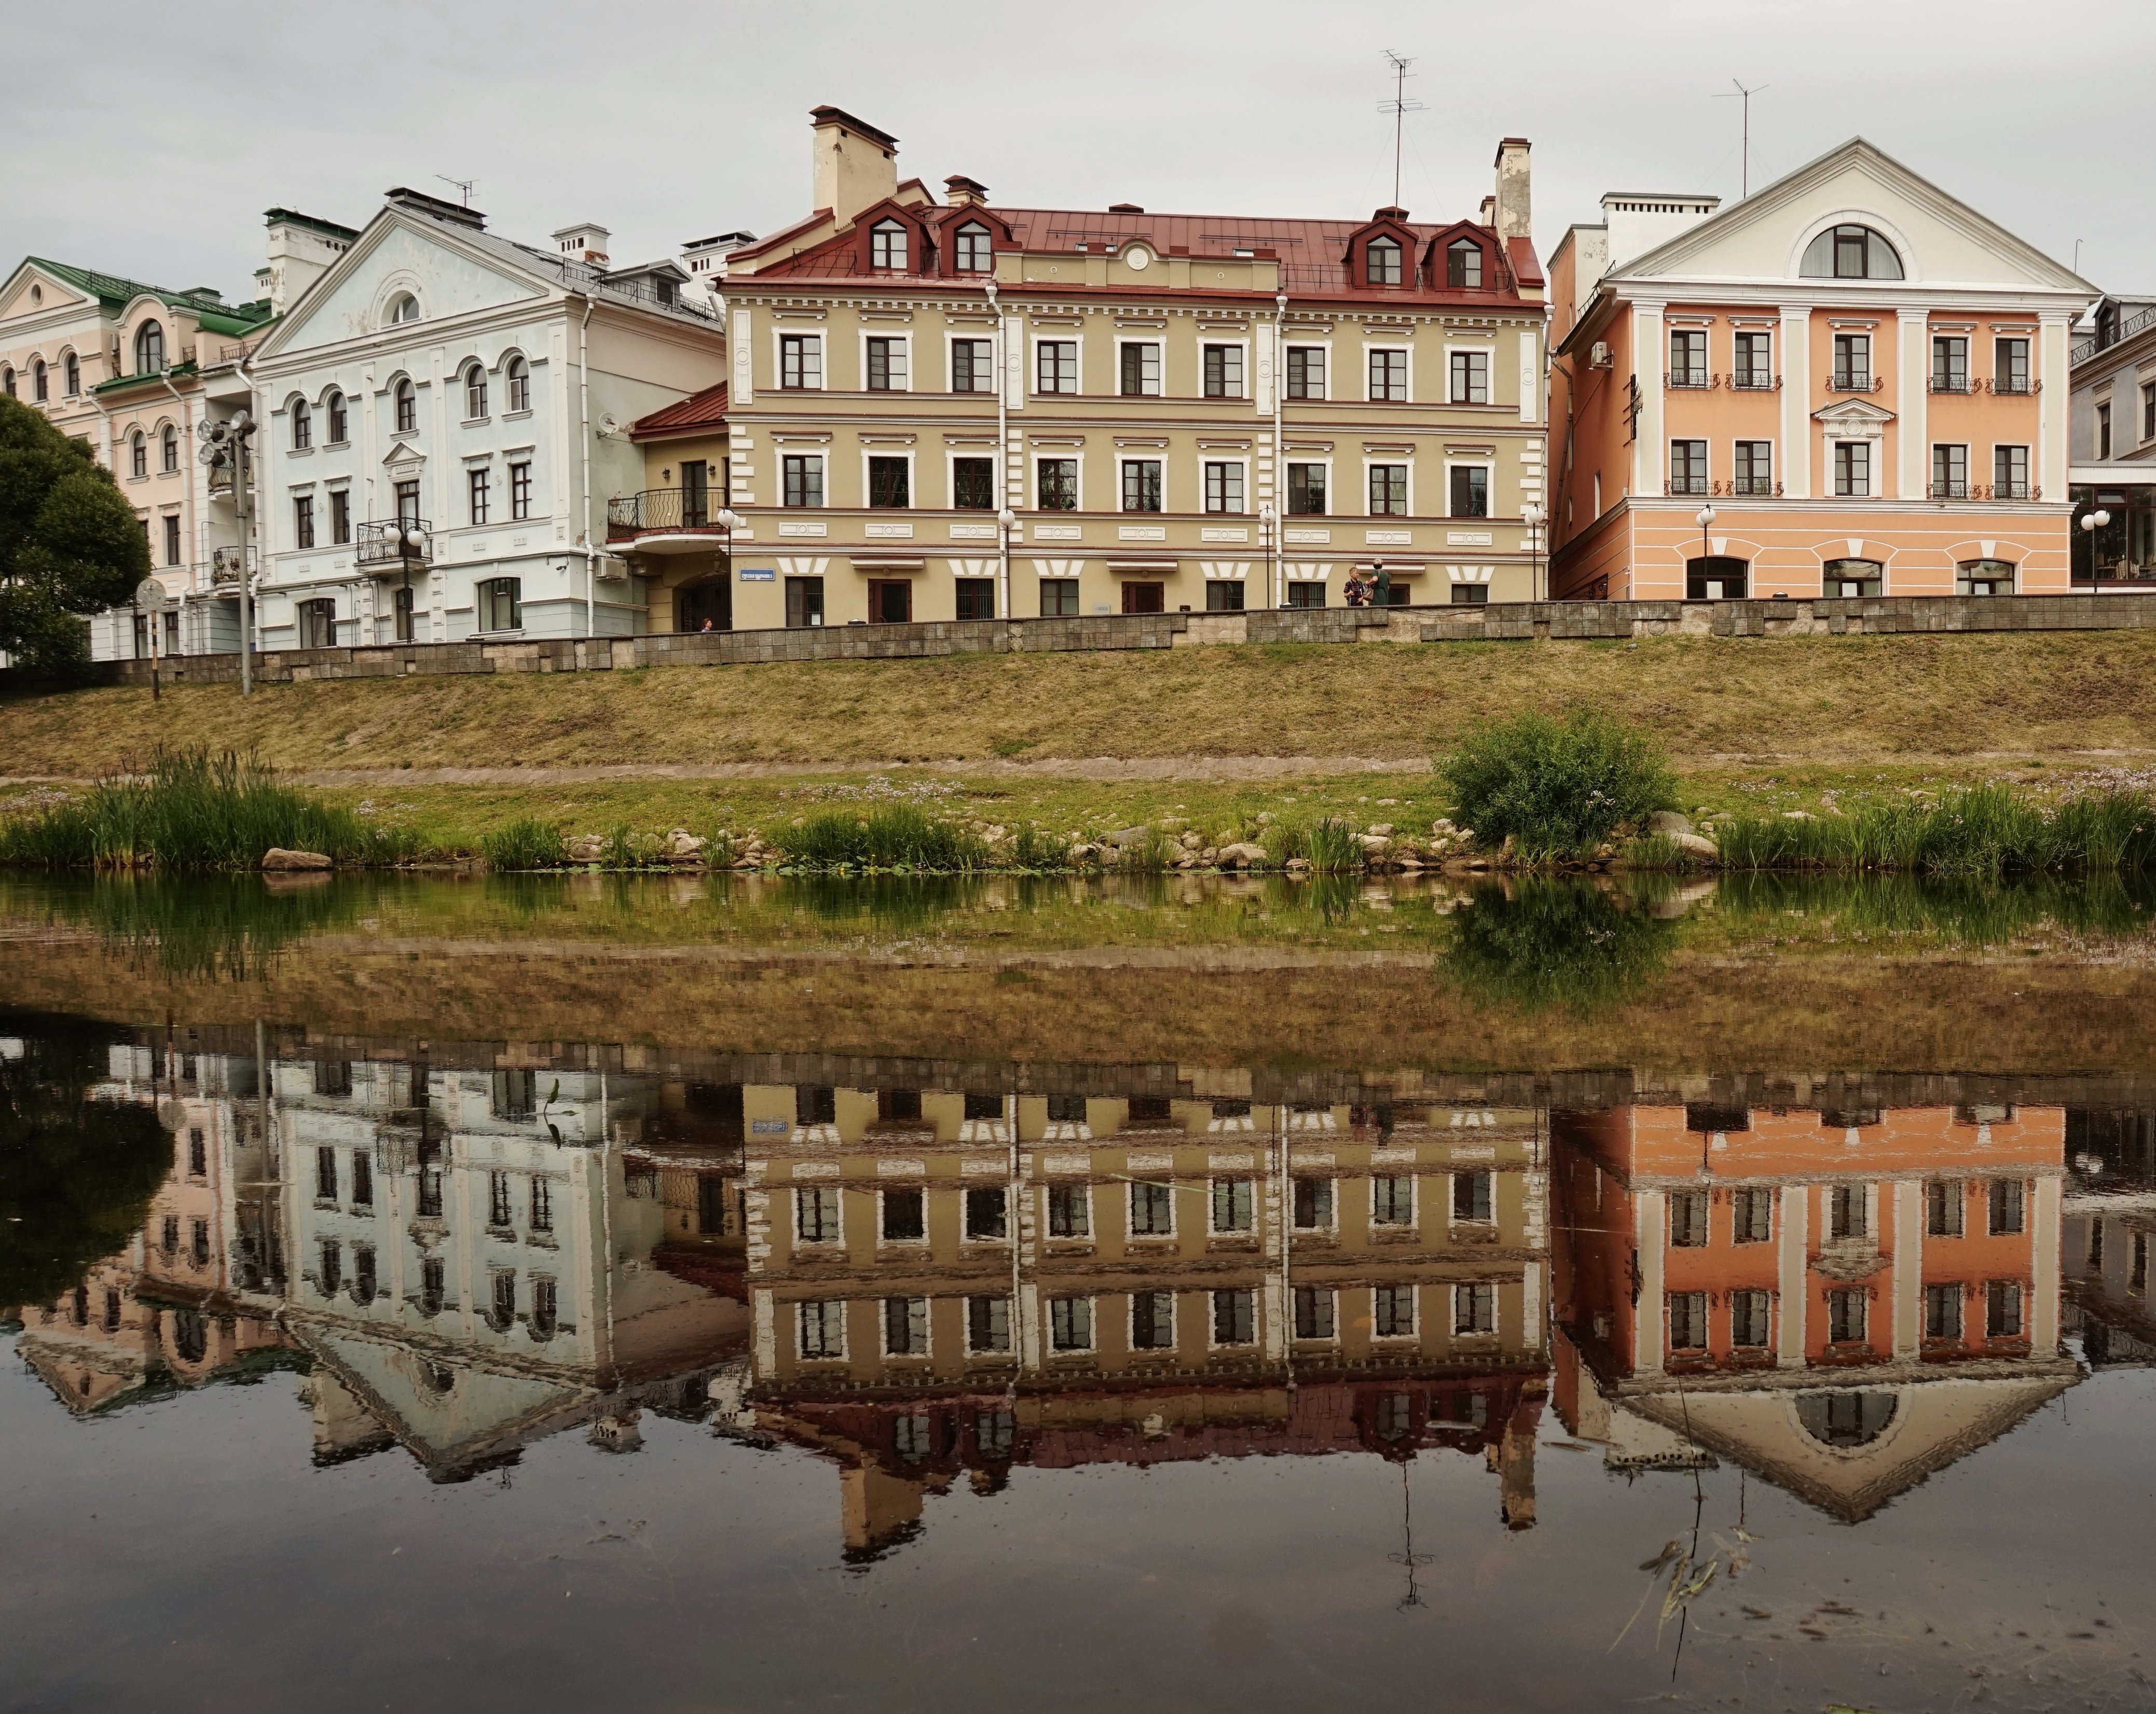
(1041, 461)
(884, 1195)
(1303, 349)
(1242, 466)
(303, 523)
(2006, 450)
(1761, 378)
(1060, 1310)
(1386, 1301)
(1324, 468)
(799, 354)
(1154, 386)
(1370, 354)
(951, 343)
(1453, 356)
(1405, 473)
(952, 460)
(1701, 483)
(1396, 253)
(1081, 1192)
(1703, 372)
(1166, 1199)
(829, 1315)
(969, 237)
(299, 427)
(993, 1302)
(1242, 1200)
(904, 352)
(915, 1315)
(1248, 1303)
(517, 378)
(1478, 1293)
(491, 591)
(519, 491)
(1841, 456)
(1843, 354)
(1158, 466)
(404, 405)
(1060, 586)
(1208, 350)
(891, 246)
(1487, 467)
(1948, 456)
(1412, 1221)
(1457, 251)
(1154, 1300)
(477, 392)
(1744, 477)
(478, 495)
(798, 464)
(869, 460)
(138, 456)
(1042, 344)
(1697, 1311)
(1315, 1296)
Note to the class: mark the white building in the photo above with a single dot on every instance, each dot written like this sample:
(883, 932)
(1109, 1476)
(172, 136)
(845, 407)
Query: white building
(479, 390)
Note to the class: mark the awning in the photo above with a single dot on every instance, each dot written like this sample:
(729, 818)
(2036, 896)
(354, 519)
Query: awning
(1142, 562)
(888, 562)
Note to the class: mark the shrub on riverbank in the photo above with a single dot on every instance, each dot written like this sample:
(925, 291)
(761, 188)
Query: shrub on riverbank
(1981, 831)
(888, 836)
(526, 843)
(192, 808)
(1557, 789)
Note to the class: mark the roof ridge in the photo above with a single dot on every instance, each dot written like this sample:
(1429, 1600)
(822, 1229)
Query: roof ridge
(97, 282)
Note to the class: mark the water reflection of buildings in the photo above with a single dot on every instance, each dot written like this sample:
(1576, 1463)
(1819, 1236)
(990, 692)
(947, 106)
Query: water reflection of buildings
(2110, 1212)
(1842, 1298)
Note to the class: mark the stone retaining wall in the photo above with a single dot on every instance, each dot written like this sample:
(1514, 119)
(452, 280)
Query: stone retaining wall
(1508, 622)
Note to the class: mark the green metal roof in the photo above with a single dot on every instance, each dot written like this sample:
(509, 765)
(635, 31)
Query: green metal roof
(214, 313)
(293, 217)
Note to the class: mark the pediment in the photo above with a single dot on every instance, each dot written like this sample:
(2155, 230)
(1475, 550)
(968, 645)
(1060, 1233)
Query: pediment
(53, 294)
(1854, 416)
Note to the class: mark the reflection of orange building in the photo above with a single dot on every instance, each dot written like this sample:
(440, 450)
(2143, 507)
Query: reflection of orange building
(1796, 1285)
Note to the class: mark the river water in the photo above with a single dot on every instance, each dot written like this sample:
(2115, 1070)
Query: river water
(750, 1295)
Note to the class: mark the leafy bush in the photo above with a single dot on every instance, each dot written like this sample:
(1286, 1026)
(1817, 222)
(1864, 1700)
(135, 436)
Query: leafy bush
(526, 843)
(1556, 787)
(887, 836)
(1549, 944)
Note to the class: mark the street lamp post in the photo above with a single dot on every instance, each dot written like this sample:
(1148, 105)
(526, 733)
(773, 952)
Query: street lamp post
(1705, 518)
(1006, 521)
(1533, 515)
(2091, 523)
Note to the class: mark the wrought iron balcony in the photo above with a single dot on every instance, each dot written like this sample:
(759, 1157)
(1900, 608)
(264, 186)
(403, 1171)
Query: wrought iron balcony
(1942, 383)
(394, 544)
(2015, 490)
(1763, 487)
(1951, 490)
(2020, 385)
(1691, 377)
(1686, 484)
(224, 563)
(1756, 381)
(1853, 381)
(663, 510)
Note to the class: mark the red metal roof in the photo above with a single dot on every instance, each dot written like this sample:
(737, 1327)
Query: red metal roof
(704, 410)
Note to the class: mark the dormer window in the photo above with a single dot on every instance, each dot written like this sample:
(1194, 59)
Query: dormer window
(1381, 262)
(1463, 266)
(1850, 252)
(972, 251)
(149, 349)
(887, 245)
(403, 307)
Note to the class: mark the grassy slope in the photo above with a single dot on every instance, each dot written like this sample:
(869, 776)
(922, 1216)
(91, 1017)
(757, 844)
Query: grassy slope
(1847, 701)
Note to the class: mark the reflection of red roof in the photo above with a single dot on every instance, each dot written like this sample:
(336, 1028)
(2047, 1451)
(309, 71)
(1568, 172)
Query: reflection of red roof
(701, 412)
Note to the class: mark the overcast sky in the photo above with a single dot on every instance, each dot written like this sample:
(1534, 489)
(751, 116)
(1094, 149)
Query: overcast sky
(147, 139)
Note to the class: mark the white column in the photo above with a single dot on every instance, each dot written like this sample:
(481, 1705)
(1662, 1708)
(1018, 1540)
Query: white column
(1650, 356)
(1913, 364)
(1531, 375)
(741, 390)
(1789, 1274)
(1795, 358)
(2053, 419)
(1647, 1233)
(1909, 1267)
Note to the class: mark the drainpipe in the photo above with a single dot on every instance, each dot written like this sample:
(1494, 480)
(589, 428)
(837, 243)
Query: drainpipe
(1280, 470)
(242, 518)
(186, 437)
(585, 416)
(1002, 475)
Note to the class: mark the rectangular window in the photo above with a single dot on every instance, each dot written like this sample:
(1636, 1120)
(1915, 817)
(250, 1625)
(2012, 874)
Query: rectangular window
(1056, 366)
(1845, 1212)
(1949, 364)
(1223, 371)
(1751, 1318)
(1141, 484)
(172, 540)
(326, 1175)
(339, 518)
(1392, 1200)
(886, 365)
(1389, 491)
(198, 1156)
(2007, 1197)
(1233, 1204)
(1847, 1310)
(2102, 432)
(1138, 369)
(1470, 373)
(1234, 1316)
(1470, 490)
(800, 361)
(1071, 1323)
(1688, 1219)
(804, 602)
(2149, 410)
(520, 492)
(802, 475)
(2009, 473)
(1942, 1311)
(976, 597)
(904, 1217)
(1314, 1312)
(1942, 1209)
(1755, 361)
(1389, 376)
(1152, 1321)
(1224, 595)
(546, 1298)
(1306, 372)
(1687, 1320)
(478, 486)
(1755, 467)
(1069, 1211)
(973, 485)
(1152, 1211)
(497, 1200)
(972, 366)
(890, 483)
(1752, 1216)
(988, 1325)
(363, 1179)
(1687, 467)
(1313, 1204)
(906, 1326)
(1950, 472)
(1306, 593)
(816, 1214)
(1305, 490)
(987, 1212)
(1057, 485)
(332, 1266)
(823, 1328)
(1058, 597)
(364, 1280)
(1688, 356)
(2009, 365)
(1852, 362)
(407, 502)
(1475, 1309)
(542, 1203)
(1474, 1197)
(501, 604)
(303, 521)
(1852, 468)
(1393, 1311)
(2002, 1309)
(1224, 487)
(1471, 594)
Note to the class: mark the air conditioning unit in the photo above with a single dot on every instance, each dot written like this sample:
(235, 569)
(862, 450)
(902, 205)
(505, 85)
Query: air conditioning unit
(1598, 355)
(612, 566)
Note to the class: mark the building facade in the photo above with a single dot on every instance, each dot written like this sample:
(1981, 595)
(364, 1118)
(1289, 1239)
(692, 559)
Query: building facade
(960, 409)
(2114, 433)
(1856, 380)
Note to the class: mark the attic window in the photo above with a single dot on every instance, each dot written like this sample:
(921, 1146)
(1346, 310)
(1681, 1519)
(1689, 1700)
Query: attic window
(975, 253)
(1850, 252)
(887, 245)
(1463, 264)
(403, 307)
(1381, 262)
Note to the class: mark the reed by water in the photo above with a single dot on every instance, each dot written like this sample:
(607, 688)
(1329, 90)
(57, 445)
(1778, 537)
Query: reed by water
(1984, 830)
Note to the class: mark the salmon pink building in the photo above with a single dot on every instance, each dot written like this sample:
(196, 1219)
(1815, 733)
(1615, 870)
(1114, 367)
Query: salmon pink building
(1847, 385)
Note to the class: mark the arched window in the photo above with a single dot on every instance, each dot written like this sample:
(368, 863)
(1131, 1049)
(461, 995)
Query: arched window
(339, 426)
(1463, 264)
(1851, 579)
(40, 384)
(407, 407)
(474, 393)
(974, 252)
(520, 385)
(887, 244)
(1850, 252)
(1717, 577)
(303, 426)
(71, 374)
(138, 455)
(403, 307)
(1381, 262)
(150, 348)
(8, 380)
(1984, 577)
(190, 1335)
(169, 451)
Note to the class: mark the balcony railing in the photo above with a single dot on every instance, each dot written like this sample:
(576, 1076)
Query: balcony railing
(1950, 383)
(382, 546)
(2018, 385)
(1691, 377)
(224, 564)
(1950, 490)
(1686, 484)
(2112, 334)
(1765, 486)
(1756, 381)
(656, 509)
(1854, 381)
(2015, 491)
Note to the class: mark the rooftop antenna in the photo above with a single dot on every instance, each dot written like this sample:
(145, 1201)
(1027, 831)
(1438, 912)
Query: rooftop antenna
(1399, 107)
(1745, 95)
(463, 185)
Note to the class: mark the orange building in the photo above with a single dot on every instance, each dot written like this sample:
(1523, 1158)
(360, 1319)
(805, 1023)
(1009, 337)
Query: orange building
(1859, 383)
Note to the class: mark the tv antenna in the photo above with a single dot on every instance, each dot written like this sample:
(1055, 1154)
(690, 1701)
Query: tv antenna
(463, 185)
(1399, 107)
(1745, 95)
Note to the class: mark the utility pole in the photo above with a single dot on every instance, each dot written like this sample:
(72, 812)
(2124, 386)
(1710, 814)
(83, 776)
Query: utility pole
(1745, 95)
(1399, 107)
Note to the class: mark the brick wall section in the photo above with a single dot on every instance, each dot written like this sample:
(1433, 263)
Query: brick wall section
(1521, 621)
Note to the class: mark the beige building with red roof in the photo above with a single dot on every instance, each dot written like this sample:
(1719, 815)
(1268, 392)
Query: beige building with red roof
(957, 410)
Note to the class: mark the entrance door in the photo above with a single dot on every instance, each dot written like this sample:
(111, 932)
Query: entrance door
(1145, 597)
(695, 495)
(890, 603)
(707, 598)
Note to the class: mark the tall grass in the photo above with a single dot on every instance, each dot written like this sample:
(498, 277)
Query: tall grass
(1329, 846)
(1153, 854)
(527, 843)
(1557, 789)
(887, 836)
(193, 809)
(1034, 846)
(1978, 830)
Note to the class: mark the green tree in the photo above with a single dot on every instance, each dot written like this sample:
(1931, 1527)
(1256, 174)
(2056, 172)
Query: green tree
(70, 545)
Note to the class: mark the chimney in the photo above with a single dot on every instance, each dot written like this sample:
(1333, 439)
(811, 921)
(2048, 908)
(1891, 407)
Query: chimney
(1515, 208)
(585, 242)
(1488, 216)
(856, 165)
(1389, 212)
(961, 192)
(300, 249)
